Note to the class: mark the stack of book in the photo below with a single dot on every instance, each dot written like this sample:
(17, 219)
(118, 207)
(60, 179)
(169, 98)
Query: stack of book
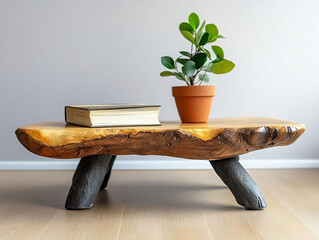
(113, 115)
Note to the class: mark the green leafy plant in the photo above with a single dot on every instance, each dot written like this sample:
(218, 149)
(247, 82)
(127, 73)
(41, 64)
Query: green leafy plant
(198, 62)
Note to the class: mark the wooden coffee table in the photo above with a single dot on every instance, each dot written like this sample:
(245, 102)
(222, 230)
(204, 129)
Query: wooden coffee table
(220, 141)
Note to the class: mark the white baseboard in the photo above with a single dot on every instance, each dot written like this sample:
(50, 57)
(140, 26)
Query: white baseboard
(149, 164)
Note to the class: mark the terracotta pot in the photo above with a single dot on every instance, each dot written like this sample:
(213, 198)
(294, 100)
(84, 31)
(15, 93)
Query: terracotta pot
(194, 102)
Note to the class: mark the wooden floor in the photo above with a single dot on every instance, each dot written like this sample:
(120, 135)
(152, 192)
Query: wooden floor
(159, 205)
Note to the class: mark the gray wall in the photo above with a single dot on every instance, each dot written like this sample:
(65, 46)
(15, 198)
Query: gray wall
(56, 53)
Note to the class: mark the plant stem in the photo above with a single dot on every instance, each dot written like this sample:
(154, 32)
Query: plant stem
(198, 82)
(203, 77)
(191, 80)
(198, 71)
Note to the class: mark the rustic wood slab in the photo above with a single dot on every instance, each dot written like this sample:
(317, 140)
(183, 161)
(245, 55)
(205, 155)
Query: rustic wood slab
(218, 139)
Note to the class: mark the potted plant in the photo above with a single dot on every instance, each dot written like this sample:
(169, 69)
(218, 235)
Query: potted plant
(194, 100)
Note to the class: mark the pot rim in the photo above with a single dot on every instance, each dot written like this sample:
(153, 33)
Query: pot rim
(194, 86)
(194, 91)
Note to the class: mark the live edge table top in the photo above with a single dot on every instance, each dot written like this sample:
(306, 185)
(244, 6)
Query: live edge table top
(217, 139)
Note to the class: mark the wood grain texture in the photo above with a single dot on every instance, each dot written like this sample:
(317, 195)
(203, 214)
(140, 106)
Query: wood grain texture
(157, 205)
(219, 138)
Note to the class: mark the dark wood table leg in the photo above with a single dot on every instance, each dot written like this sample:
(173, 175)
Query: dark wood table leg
(240, 183)
(108, 173)
(87, 181)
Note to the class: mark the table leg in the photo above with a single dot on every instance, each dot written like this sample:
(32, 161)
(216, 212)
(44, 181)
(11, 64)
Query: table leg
(240, 183)
(108, 173)
(87, 181)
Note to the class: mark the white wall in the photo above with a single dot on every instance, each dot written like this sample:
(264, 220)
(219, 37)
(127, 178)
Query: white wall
(56, 53)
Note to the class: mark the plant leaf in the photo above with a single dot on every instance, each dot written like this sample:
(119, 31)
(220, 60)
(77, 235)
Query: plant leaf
(166, 74)
(206, 51)
(189, 68)
(212, 30)
(184, 26)
(204, 39)
(212, 39)
(187, 54)
(193, 20)
(217, 60)
(204, 77)
(189, 36)
(168, 62)
(222, 67)
(199, 33)
(218, 51)
(182, 60)
(199, 59)
(207, 66)
(215, 38)
(179, 76)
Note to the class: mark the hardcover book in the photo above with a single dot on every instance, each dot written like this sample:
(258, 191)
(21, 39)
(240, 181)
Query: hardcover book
(112, 115)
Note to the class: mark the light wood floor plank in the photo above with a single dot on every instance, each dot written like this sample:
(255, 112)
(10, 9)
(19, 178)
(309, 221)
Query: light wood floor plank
(159, 205)
(224, 218)
(100, 222)
(297, 190)
(274, 222)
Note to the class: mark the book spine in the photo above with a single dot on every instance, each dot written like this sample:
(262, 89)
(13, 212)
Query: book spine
(65, 114)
